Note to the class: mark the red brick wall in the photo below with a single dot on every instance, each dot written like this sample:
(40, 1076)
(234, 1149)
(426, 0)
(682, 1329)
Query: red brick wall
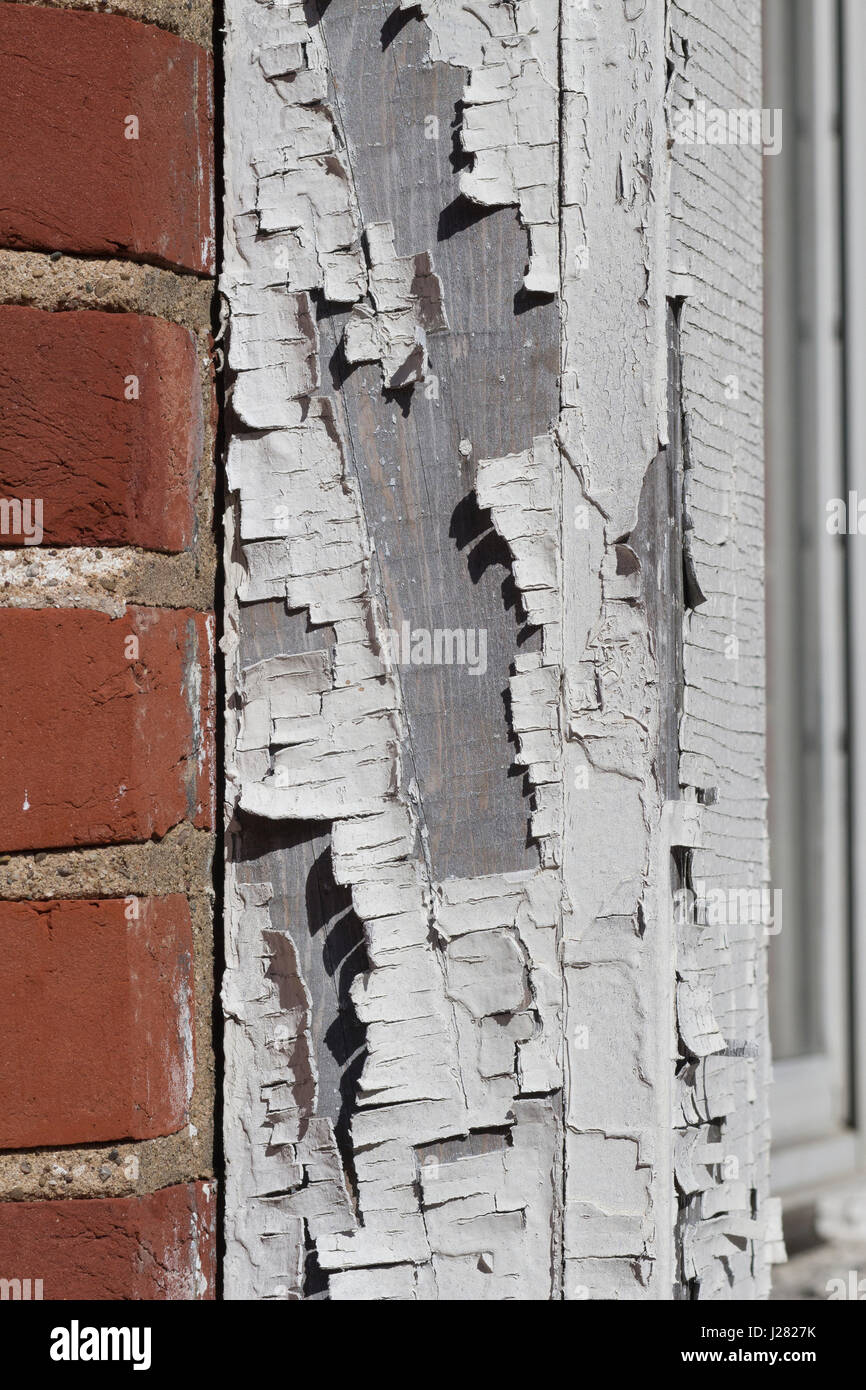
(106, 649)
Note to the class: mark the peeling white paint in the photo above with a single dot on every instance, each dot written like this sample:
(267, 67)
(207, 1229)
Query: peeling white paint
(523, 493)
(318, 736)
(404, 305)
(617, 942)
(518, 1131)
(729, 1228)
(510, 112)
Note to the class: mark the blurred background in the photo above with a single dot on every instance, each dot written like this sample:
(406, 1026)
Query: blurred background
(815, 363)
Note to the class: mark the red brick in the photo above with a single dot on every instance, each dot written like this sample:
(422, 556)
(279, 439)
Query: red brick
(95, 1020)
(97, 747)
(108, 470)
(70, 180)
(156, 1247)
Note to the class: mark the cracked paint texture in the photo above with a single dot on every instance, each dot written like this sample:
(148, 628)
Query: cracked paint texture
(729, 1229)
(509, 121)
(551, 1059)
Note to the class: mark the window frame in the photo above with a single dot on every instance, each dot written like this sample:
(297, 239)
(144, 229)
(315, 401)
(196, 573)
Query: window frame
(813, 1105)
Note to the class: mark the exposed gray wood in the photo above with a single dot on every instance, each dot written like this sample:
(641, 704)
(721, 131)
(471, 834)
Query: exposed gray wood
(496, 371)
(480, 947)
(455, 403)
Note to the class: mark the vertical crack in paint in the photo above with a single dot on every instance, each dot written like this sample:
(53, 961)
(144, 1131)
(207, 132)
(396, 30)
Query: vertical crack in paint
(460, 1001)
(518, 1126)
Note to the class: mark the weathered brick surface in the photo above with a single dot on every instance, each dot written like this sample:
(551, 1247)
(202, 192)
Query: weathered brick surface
(96, 1028)
(106, 743)
(102, 421)
(155, 1247)
(99, 743)
(70, 179)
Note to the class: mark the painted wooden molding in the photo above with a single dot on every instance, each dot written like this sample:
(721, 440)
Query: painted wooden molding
(552, 1075)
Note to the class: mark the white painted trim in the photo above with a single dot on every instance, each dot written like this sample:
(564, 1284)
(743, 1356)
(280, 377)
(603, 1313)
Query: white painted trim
(854, 154)
(803, 1106)
(825, 310)
(796, 1170)
(592, 931)
(805, 291)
